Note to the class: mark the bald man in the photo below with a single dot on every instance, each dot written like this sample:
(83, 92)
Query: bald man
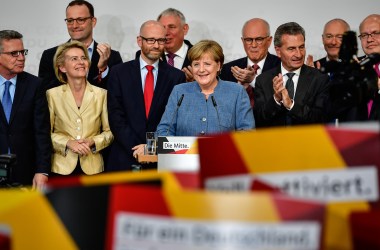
(332, 40)
(256, 40)
(130, 114)
(370, 40)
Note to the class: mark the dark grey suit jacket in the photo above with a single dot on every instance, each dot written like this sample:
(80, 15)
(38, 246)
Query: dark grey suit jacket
(126, 108)
(28, 132)
(321, 61)
(46, 69)
(270, 62)
(309, 102)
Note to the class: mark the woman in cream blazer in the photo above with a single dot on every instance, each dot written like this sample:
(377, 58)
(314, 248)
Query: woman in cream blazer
(78, 115)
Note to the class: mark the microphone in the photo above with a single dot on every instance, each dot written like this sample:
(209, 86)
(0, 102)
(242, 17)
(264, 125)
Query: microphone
(175, 113)
(217, 112)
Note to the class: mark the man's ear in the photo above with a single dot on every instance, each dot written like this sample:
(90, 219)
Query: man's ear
(139, 41)
(185, 28)
(94, 21)
(278, 51)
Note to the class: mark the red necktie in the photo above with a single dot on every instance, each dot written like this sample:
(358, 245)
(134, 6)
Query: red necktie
(250, 89)
(255, 68)
(148, 89)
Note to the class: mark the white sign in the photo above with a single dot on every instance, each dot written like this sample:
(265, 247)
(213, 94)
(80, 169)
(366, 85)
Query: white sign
(176, 145)
(143, 232)
(347, 184)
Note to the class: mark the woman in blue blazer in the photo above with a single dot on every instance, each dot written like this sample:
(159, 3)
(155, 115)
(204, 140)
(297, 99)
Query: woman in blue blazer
(208, 105)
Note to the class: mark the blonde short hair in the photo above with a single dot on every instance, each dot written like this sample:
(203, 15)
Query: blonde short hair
(206, 46)
(59, 58)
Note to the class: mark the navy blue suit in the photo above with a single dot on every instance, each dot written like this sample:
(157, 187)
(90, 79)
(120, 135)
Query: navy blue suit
(46, 69)
(126, 108)
(270, 62)
(28, 132)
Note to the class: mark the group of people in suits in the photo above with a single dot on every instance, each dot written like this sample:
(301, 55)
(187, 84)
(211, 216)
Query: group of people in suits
(95, 101)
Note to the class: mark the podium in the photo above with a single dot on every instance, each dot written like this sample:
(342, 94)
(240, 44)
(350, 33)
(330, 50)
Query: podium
(178, 153)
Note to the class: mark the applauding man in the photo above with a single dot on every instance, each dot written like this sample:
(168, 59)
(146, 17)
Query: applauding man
(80, 21)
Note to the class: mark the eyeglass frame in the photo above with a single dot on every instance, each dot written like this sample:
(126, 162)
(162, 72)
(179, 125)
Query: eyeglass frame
(79, 20)
(331, 36)
(16, 53)
(251, 39)
(365, 36)
(151, 40)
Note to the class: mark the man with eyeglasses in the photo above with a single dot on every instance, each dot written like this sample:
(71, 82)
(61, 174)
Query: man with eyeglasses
(370, 40)
(80, 21)
(332, 39)
(256, 41)
(291, 93)
(176, 46)
(24, 115)
(138, 91)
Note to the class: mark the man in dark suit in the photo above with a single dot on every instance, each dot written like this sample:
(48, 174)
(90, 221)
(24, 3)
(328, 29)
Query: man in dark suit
(80, 22)
(130, 116)
(176, 46)
(370, 40)
(176, 29)
(256, 40)
(303, 98)
(332, 39)
(24, 115)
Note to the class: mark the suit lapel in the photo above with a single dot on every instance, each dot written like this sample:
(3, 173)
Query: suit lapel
(136, 92)
(68, 99)
(21, 86)
(303, 84)
(87, 97)
(93, 72)
(242, 63)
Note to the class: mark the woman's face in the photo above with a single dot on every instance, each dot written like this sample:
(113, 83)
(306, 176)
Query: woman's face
(205, 71)
(76, 64)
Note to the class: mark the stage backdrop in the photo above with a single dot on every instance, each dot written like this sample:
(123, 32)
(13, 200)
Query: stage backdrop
(42, 21)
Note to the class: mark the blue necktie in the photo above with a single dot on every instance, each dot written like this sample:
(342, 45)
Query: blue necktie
(7, 101)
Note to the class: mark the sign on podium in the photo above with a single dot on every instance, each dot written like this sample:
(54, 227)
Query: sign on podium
(178, 153)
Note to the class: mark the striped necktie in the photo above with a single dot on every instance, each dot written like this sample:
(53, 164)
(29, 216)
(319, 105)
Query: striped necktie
(171, 58)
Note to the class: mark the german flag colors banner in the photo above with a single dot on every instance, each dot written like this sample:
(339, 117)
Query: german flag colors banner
(336, 166)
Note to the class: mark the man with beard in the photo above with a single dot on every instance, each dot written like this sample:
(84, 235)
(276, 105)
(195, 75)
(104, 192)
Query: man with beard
(256, 40)
(176, 46)
(138, 91)
(291, 93)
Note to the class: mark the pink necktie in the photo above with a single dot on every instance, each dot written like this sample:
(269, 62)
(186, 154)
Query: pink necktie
(370, 102)
(171, 58)
(369, 106)
(377, 69)
(148, 89)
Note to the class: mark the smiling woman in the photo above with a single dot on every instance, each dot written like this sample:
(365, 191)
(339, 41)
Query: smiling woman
(208, 105)
(78, 115)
